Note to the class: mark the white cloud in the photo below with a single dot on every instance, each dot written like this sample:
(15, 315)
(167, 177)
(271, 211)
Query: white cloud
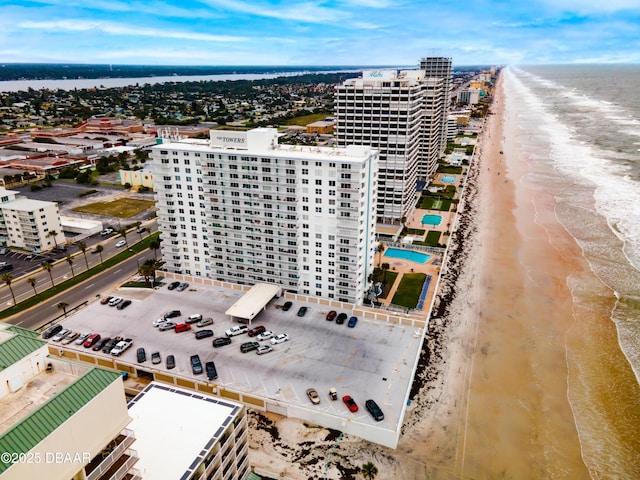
(116, 29)
(593, 6)
(301, 12)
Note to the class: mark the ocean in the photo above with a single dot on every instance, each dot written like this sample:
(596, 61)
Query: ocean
(580, 130)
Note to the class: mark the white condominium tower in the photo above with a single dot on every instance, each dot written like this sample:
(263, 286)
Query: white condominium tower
(243, 209)
(384, 109)
(440, 67)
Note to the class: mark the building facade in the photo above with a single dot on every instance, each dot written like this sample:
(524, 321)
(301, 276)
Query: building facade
(384, 109)
(28, 224)
(440, 67)
(243, 209)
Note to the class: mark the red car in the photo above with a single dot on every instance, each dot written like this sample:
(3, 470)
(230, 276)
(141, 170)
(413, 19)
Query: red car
(256, 331)
(331, 315)
(91, 340)
(350, 403)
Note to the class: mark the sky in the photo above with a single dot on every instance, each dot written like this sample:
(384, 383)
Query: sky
(330, 32)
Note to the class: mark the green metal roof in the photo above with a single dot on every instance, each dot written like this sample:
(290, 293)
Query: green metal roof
(22, 437)
(22, 331)
(17, 347)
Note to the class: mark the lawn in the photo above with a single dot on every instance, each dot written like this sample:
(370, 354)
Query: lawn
(409, 290)
(122, 208)
(306, 119)
(433, 238)
(389, 279)
(428, 203)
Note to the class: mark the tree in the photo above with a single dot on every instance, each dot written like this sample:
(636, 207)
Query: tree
(63, 306)
(69, 259)
(32, 281)
(48, 267)
(380, 249)
(154, 245)
(7, 278)
(82, 246)
(369, 470)
(147, 270)
(123, 233)
(385, 267)
(53, 234)
(100, 249)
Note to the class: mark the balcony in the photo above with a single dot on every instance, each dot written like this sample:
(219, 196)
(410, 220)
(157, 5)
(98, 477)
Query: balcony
(115, 460)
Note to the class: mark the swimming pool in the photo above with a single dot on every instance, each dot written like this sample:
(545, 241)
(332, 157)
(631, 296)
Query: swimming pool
(448, 178)
(430, 219)
(410, 255)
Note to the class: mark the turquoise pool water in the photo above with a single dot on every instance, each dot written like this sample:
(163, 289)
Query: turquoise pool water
(410, 255)
(448, 178)
(430, 219)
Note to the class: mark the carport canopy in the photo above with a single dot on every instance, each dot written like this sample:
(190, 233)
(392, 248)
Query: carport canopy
(253, 302)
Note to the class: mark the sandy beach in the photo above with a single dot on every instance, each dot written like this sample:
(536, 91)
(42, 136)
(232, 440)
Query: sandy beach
(491, 390)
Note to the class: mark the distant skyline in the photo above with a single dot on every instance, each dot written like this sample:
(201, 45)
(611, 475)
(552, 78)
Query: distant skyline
(330, 32)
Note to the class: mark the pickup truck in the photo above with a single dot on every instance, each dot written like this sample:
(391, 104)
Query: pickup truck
(237, 330)
(121, 346)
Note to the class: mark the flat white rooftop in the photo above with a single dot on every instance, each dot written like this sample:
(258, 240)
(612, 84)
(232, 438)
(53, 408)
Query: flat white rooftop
(254, 301)
(173, 427)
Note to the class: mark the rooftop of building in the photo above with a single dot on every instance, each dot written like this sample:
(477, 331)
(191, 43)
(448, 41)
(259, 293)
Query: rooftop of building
(26, 204)
(175, 428)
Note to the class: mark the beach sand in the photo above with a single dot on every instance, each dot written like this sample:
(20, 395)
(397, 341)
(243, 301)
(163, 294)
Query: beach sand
(491, 390)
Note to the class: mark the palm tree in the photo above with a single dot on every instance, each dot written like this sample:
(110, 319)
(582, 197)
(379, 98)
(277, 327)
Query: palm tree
(154, 245)
(53, 234)
(99, 249)
(369, 470)
(147, 270)
(385, 267)
(380, 248)
(63, 306)
(48, 267)
(69, 259)
(82, 246)
(32, 281)
(7, 279)
(123, 233)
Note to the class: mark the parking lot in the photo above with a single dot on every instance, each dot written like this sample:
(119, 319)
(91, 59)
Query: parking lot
(373, 360)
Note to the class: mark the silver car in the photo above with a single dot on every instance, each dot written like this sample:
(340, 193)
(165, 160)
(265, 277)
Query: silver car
(166, 326)
(61, 334)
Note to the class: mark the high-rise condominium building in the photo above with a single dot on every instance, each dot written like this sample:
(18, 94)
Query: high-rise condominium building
(384, 109)
(243, 209)
(440, 67)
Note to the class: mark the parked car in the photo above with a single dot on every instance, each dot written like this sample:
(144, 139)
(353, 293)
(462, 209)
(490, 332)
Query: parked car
(106, 231)
(4, 251)
(91, 340)
(171, 362)
(51, 331)
(59, 248)
(236, 330)
(196, 317)
(123, 304)
(156, 358)
(264, 336)
(249, 346)
(182, 286)
(204, 334)
(262, 349)
(70, 338)
(121, 243)
(352, 322)
(196, 364)
(182, 327)
(141, 355)
(221, 342)
(159, 321)
(283, 337)
(302, 311)
(173, 285)
(374, 410)
(105, 300)
(341, 318)
(212, 373)
(204, 322)
(256, 331)
(287, 306)
(331, 315)
(173, 314)
(350, 403)
(58, 337)
(4, 266)
(100, 344)
(166, 326)
(313, 396)
(141, 230)
(114, 301)
(95, 250)
(81, 338)
(121, 347)
(108, 346)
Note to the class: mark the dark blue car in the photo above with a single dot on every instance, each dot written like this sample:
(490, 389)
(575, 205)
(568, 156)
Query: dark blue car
(352, 322)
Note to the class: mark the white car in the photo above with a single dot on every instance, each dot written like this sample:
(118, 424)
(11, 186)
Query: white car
(264, 349)
(121, 346)
(121, 243)
(265, 335)
(115, 301)
(80, 340)
(237, 330)
(159, 321)
(283, 337)
(61, 334)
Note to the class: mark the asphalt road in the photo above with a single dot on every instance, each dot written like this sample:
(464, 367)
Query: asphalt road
(105, 281)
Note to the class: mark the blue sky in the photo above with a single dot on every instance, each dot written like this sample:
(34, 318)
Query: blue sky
(331, 32)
